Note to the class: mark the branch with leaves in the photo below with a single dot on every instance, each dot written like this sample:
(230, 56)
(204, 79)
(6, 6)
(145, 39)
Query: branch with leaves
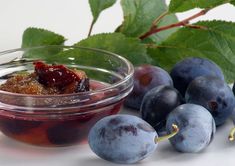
(154, 29)
(151, 33)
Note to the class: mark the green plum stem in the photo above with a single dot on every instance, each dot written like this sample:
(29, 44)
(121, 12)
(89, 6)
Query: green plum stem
(174, 132)
(231, 134)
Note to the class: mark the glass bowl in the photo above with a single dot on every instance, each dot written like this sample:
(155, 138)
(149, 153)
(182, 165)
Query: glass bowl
(60, 120)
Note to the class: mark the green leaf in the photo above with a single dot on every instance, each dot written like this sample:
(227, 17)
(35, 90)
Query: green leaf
(232, 2)
(40, 37)
(97, 6)
(139, 15)
(130, 48)
(163, 35)
(215, 40)
(184, 5)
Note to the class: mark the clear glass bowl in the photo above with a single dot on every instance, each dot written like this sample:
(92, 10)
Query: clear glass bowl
(60, 120)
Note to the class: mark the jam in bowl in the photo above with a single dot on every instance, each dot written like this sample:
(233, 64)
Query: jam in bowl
(40, 114)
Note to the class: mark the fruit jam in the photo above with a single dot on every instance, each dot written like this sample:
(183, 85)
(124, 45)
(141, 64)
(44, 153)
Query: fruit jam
(67, 130)
(56, 120)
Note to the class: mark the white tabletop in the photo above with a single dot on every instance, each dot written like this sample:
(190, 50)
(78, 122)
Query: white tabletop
(72, 18)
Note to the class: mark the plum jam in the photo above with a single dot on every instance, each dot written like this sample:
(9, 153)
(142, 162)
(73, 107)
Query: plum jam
(66, 130)
(62, 124)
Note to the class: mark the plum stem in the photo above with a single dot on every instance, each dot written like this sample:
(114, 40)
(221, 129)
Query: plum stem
(154, 29)
(231, 134)
(175, 129)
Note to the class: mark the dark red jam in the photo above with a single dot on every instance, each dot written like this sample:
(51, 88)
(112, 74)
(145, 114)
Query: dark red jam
(54, 132)
(48, 131)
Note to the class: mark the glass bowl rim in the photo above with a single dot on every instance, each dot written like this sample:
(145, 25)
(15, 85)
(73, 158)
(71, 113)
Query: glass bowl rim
(109, 87)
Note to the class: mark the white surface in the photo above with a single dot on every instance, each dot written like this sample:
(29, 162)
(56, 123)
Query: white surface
(72, 18)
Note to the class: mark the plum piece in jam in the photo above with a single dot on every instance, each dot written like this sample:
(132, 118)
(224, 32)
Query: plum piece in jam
(60, 77)
(11, 126)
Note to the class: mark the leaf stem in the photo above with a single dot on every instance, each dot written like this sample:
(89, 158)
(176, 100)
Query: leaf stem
(91, 27)
(181, 23)
(196, 26)
(155, 22)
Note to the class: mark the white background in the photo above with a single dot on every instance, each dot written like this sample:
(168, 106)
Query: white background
(72, 19)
